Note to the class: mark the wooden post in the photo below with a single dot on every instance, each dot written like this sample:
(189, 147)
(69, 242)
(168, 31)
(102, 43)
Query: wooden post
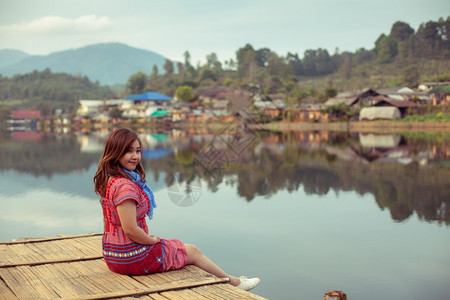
(335, 295)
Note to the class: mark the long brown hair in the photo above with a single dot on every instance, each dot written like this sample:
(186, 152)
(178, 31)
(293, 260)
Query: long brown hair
(117, 145)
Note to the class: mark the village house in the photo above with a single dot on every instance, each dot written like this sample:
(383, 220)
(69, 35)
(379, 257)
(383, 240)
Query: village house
(90, 108)
(308, 113)
(440, 94)
(272, 106)
(145, 104)
(404, 106)
(428, 86)
(405, 94)
(24, 119)
(357, 98)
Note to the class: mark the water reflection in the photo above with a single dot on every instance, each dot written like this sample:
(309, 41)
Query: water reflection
(405, 174)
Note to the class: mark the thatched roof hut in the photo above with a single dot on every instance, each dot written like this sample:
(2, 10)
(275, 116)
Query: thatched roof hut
(380, 113)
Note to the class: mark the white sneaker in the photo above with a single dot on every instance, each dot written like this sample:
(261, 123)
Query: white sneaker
(248, 283)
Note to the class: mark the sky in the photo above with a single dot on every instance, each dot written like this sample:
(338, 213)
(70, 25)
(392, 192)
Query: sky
(202, 27)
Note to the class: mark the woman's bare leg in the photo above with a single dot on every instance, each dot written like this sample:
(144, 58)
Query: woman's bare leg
(197, 258)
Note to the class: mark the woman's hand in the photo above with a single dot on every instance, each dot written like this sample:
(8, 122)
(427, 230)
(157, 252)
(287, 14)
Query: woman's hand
(127, 216)
(154, 238)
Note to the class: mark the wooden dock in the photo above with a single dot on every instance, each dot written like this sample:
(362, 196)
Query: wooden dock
(72, 267)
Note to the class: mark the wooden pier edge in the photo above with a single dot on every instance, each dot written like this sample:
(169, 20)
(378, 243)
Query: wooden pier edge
(72, 267)
(60, 237)
(159, 289)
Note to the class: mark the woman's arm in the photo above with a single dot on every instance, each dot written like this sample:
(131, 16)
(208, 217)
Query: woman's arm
(127, 216)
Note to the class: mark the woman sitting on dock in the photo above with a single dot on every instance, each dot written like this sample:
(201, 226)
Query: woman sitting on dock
(126, 199)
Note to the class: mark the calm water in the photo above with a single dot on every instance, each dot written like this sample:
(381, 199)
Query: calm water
(307, 212)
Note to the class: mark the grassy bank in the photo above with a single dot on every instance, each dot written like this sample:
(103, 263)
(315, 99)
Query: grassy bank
(361, 126)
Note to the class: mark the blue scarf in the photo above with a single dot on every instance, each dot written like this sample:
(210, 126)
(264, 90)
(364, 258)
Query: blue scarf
(147, 190)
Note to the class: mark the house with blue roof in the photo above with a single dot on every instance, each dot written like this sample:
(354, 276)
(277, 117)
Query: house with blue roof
(148, 104)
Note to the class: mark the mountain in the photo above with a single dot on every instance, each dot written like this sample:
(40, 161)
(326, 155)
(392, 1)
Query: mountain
(10, 56)
(109, 63)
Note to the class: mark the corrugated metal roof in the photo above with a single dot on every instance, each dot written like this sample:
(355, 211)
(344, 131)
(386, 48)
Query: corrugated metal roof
(441, 89)
(149, 96)
(25, 114)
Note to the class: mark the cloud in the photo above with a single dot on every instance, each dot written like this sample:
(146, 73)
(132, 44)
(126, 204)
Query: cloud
(54, 25)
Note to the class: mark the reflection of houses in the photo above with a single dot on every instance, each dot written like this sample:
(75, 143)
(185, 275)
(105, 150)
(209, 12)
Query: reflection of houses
(92, 143)
(26, 135)
(390, 148)
(379, 141)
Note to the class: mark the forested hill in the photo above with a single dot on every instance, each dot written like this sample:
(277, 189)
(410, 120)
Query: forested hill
(403, 56)
(11, 56)
(46, 90)
(109, 63)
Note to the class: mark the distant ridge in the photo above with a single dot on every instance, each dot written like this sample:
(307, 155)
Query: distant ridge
(108, 63)
(11, 56)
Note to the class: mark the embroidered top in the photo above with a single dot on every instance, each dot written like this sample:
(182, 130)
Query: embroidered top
(124, 256)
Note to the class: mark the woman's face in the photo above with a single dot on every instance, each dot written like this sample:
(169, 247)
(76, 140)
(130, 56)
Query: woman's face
(132, 158)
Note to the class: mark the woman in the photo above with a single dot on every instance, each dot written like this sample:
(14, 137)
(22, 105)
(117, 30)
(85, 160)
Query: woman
(126, 199)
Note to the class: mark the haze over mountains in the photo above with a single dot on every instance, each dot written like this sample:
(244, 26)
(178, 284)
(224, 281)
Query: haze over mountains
(109, 63)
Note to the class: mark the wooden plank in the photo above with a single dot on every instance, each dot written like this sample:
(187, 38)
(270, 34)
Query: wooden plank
(146, 291)
(61, 237)
(51, 261)
(184, 294)
(5, 291)
(207, 292)
(50, 252)
(238, 292)
(154, 296)
(73, 268)
(25, 284)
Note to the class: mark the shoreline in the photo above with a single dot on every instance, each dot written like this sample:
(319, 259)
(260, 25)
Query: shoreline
(363, 126)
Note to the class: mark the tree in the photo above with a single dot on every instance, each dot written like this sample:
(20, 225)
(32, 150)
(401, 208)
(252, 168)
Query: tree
(386, 49)
(330, 93)
(184, 93)
(347, 65)
(317, 62)
(213, 63)
(246, 61)
(180, 67)
(168, 67)
(294, 64)
(187, 59)
(136, 83)
(5, 114)
(276, 65)
(155, 72)
(432, 39)
(262, 57)
(208, 74)
(401, 31)
(411, 75)
(115, 113)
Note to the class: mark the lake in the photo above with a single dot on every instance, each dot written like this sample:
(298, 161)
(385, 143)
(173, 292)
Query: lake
(307, 212)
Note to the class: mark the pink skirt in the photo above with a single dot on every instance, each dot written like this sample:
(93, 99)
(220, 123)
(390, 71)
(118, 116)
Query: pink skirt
(136, 259)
